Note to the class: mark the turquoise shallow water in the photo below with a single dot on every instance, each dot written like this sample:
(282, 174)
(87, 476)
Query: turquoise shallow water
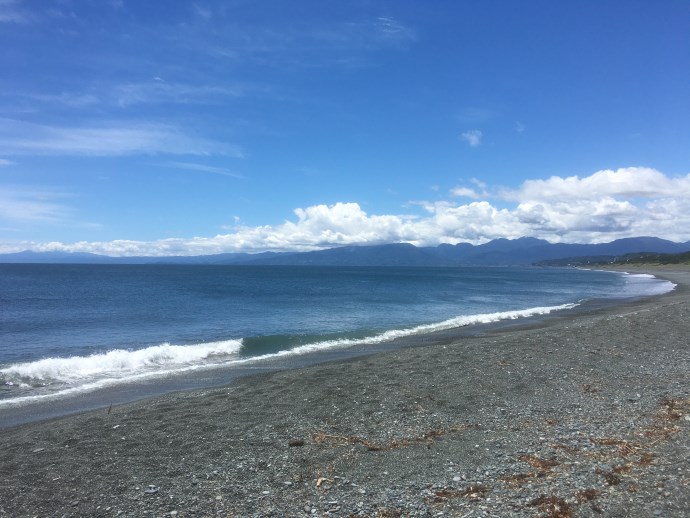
(67, 330)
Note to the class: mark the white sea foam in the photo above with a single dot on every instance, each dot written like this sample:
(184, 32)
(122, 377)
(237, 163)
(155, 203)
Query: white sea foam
(83, 374)
(644, 285)
(460, 321)
(119, 363)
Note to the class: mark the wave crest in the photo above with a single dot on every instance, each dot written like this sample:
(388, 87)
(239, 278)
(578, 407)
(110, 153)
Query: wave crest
(80, 374)
(119, 363)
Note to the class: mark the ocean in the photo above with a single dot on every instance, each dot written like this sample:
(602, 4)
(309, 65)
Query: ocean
(80, 336)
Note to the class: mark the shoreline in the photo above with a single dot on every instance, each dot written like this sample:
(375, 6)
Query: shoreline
(587, 410)
(28, 408)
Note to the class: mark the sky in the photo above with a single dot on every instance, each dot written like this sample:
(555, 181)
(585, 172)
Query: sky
(169, 127)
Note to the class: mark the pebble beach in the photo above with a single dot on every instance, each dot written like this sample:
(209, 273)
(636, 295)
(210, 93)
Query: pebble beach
(586, 414)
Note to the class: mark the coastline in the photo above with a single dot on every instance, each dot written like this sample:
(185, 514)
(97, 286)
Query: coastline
(588, 412)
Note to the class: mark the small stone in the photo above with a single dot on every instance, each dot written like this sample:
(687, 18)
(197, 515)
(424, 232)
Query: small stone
(295, 442)
(457, 478)
(151, 490)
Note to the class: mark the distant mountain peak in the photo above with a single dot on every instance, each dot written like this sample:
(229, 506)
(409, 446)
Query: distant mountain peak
(521, 251)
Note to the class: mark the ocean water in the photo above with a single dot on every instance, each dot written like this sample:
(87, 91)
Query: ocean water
(68, 330)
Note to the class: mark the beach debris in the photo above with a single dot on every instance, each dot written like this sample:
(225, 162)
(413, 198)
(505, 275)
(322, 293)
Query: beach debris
(611, 477)
(295, 442)
(588, 388)
(321, 480)
(151, 490)
(587, 495)
(625, 448)
(536, 462)
(38, 450)
(473, 492)
(553, 506)
(9, 383)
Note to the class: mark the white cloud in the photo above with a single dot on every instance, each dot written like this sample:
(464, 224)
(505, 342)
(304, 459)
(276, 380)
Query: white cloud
(4, 162)
(201, 168)
(393, 29)
(70, 100)
(24, 204)
(467, 192)
(11, 12)
(631, 182)
(604, 206)
(299, 44)
(114, 139)
(202, 12)
(472, 137)
(161, 91)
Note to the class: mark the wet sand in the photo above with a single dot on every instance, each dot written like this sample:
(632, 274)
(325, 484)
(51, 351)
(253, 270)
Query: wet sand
(582, 415)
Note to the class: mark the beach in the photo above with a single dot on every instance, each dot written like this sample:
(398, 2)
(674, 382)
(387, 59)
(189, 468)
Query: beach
(583, 414)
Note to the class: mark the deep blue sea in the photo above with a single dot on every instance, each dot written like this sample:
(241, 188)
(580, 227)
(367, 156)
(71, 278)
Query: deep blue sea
(67, 330)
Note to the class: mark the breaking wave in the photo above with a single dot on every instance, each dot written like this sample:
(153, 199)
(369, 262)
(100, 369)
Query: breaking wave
(61, 377)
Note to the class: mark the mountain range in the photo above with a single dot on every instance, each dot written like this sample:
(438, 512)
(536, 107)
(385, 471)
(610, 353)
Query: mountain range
(499, 252)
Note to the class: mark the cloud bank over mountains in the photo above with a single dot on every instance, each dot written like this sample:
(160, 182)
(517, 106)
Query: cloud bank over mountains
(604, 206)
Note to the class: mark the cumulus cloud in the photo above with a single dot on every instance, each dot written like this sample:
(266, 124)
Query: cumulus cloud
(472, 137)
(468, 192)
(604, 206)
(114, 139)
(631, 182)
(316, 227)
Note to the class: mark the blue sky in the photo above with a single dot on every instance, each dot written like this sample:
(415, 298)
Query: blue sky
(169, 127)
